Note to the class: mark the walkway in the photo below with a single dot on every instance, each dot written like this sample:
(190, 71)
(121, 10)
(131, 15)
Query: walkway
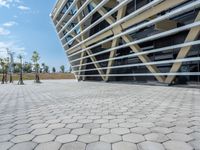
(67, 115)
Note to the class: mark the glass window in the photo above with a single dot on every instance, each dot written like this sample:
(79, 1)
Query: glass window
(68, 38)
(90, 7)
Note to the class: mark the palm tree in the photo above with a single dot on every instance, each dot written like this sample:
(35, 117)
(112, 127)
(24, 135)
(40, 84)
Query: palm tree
(62, 68)
(20, 82)
(35, 59)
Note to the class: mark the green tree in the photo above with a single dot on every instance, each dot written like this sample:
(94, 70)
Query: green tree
(46, 69)
(16, 67)
(53, 69)
(62, 68)
(4, 65)
(35, 59)
(20, 82)
(28, 67)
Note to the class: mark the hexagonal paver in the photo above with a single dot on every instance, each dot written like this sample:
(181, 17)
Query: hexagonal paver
(41, 131)
(195, 128)
(22, 138)
(98, 146)
(101, 121)
(74, 146)
(94, 117)
(21, 126)
(109, 125)
(41, 125)
(124, 146)
(66, 138)
(184, 124)
(48, 146)
(117, 120)
(177, 145)
(109, 117)
(91, 125)
(164, 124)
(44, 138)
(24, 146)
(180, 137)
(100, 131)
(6, 131)
(195, 144)
(156, 137)
(7, 137)
(145, 124)
(134, 138)
(80, 131)
(111, 138)
(195, 135)
(120, 131)
(56, 126)
(84, 121)
(140, 130)
(53, 121)
(69, 121)
(74, 125)
(162, 130)
(127, 125)
(150, 146)
(100, 110)
(60, 131)
(22, 131)
(6, 126)
(88, 138)
(134, 120)
(182, 130)
(5, 145)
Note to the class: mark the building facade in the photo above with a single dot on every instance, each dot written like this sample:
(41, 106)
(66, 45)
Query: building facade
(131, 40)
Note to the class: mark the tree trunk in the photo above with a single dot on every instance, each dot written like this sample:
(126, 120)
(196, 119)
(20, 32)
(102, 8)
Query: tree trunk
(11, 79)
(37, 77)
(2, 81)
(21, 82)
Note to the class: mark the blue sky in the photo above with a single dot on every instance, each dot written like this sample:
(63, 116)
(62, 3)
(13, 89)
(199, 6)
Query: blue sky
(25, 26)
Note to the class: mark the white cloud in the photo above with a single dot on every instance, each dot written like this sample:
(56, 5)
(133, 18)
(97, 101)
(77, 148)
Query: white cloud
(13, 3)
(13, 47)
(24, 8)
(4, 31)
(5, 3)
(10, 24)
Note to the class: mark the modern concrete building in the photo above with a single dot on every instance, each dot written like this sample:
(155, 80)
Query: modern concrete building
(131, 40)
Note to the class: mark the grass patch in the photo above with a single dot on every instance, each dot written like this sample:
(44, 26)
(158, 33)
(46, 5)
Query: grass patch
(43, 76)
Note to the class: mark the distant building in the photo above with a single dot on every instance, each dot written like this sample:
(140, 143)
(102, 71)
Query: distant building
(131, 40)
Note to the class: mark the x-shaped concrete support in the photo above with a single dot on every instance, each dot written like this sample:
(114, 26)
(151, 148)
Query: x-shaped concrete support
(127, 39)
(89, 52)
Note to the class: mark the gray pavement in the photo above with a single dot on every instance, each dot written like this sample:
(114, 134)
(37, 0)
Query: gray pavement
(67, 115)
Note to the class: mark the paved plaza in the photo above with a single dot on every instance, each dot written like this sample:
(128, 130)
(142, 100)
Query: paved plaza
(66, 115)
